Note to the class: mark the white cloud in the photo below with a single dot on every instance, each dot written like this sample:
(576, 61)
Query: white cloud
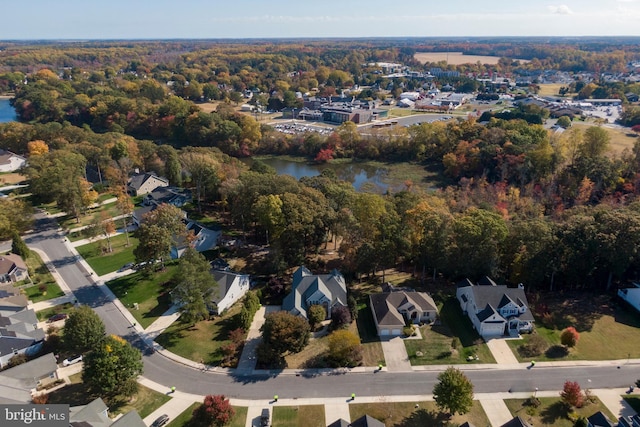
(562, 9)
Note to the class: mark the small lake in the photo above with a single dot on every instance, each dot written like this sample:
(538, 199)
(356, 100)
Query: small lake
(362, 176)
(7, 113)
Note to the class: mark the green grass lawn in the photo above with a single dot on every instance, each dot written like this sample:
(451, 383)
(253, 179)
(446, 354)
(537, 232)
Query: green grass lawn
(74, 236)
(103, 263)
(449, 342)
(39, 293)
(150, 290)
(607, 323)
(372, 354)
(48, 312)
(202, 341)
(295, 416)
(184, 419)
(552, 412)
(69, 222)
(41, 277)
(405, 414)
(145, 402)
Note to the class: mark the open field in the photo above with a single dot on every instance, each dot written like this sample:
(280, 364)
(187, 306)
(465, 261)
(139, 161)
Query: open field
(295, 416)
(550, 89)
(621, 138)
(552, 412)
(458, 58)
(407, 414)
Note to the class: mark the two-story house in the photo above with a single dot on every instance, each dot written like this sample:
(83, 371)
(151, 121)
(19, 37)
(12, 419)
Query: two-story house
(143, 183)
(307, 289)
(495, 310)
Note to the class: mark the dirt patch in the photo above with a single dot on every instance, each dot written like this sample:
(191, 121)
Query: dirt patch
(11, 178)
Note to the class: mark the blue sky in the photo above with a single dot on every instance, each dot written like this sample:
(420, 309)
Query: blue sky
(126, 19)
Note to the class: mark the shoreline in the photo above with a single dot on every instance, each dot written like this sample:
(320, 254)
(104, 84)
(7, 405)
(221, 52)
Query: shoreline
(6, 96)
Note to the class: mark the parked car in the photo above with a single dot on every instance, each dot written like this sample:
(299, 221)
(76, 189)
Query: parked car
(57, 317)
(160, 421)
(72, 360)
(126, 267)
(265, 417)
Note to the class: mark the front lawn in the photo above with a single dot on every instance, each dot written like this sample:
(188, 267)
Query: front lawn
(295, 416)
(599, 323)
(372, 354)
(406, 414)
(552, 411)
(449, 341)
(145, 402)
(202, 341)
(184, 419)
(107, 262)
(68, 221)
(149, 289)
(44, 285)
(48, 312)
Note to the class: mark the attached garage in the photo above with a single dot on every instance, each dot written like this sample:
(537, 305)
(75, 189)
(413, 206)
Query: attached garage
(384, 332)
(396, 332)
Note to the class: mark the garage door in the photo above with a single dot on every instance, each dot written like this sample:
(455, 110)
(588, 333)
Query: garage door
(384, 332)
(396, 332)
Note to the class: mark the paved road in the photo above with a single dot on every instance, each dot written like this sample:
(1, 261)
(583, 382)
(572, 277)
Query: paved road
(164, 371)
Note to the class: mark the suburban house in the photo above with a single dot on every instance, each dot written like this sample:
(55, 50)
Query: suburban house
(201, 239)
(19, 334)
(307, 289)
(630, 295)
(494, 310)
(516, 422)
(363, 421)
(231, 287)
(138, 215)
(12, 269)
(11, 162)
(22, 381)
(599, 419)
(11, 299)
(633, 421)
(175, 196)
(392, 311)
(143, 183)
(96, 414)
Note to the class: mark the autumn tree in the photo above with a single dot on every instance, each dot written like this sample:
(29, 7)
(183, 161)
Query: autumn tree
(216, 411)
(570, 337)
(15, 216)
(159, 232)
(83, 329)
(195, 286)
(282, 333)
(344, 349)
(454, 392)
(125, 206)
(37, 147)
(572, 395)
(340, 317)
(112, 367)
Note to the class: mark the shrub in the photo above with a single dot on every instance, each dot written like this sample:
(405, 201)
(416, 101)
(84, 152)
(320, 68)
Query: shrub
(556, 352)
(316, 315)
(569, 337)
(40, 399)
(571, 395)
(340, 317)
(408, 331)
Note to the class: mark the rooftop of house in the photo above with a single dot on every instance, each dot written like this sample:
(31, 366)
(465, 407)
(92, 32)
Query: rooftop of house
(138, 180)
(9, 262)
(385, 305)
(490, 296)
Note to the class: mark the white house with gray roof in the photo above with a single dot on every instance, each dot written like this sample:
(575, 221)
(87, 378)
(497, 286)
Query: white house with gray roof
(143, 183)
(495, 310)
(11, 162)
(19, 334)
(231, 287)
(307, 289)
(18, 384)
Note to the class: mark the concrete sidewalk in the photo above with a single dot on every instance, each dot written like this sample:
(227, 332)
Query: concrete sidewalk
(496, 411)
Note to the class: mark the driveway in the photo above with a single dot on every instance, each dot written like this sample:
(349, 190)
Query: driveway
(395, 354)
(502, 352)
(247, 362)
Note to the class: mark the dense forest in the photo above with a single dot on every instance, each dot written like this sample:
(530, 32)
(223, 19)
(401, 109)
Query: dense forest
(521, 203)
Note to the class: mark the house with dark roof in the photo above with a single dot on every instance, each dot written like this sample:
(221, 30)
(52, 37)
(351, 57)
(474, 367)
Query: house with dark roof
(393, 310)
(18, 384)
(231, 287)
(632, 421)
(11, 162)
(307, 289)
(12, 268)
(495, 310)
(143, 183)
(366, 421)
(516, 422)
(175, 196)
(599, 419)
(19, 334)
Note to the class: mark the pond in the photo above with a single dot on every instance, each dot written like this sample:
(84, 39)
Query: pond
(7, 113)
(363, 176)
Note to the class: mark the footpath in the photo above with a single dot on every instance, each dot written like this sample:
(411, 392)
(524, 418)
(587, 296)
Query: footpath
(335, 408)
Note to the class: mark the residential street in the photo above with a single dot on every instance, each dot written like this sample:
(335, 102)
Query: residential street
(300, 384)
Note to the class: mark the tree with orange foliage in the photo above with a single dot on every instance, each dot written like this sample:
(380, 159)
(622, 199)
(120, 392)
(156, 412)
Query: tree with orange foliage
(571, 394)
(37, 147)
(570, 337)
